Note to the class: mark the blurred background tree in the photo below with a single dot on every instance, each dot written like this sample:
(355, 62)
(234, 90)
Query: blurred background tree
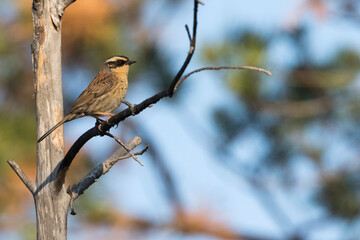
(236, 154)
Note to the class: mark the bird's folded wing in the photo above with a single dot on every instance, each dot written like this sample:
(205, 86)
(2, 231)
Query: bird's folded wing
(102, 84)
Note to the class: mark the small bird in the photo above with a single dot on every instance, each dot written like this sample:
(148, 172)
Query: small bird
(103, 95)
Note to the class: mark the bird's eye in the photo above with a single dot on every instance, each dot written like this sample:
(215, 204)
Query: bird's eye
(120, 63)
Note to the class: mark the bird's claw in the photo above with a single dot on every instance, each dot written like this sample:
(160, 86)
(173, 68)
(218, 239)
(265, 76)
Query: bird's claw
(101, 131)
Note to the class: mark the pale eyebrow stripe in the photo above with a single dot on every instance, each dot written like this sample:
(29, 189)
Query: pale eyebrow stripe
(114, 59)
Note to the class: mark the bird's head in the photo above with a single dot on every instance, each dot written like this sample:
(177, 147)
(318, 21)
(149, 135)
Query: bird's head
(118, 64)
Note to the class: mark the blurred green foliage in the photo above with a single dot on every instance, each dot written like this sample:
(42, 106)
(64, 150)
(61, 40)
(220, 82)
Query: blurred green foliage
(18, 130)
(311, 95)
(340, 195)
(246, 49)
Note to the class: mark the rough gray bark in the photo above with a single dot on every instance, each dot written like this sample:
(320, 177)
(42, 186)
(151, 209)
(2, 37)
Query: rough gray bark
(51, 204)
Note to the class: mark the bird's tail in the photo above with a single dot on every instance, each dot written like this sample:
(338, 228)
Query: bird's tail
(64, 120)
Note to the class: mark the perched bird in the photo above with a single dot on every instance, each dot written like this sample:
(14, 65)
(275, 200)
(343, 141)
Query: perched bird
(103, 95)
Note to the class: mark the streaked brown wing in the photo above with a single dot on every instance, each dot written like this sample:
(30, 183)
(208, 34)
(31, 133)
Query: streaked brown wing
(102, 84)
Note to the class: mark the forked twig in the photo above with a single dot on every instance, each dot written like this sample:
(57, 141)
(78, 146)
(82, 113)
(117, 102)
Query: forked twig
(112, 160)
(86, 182)
(76, 190)
(188, 32)
(129, 155)
(124, 146)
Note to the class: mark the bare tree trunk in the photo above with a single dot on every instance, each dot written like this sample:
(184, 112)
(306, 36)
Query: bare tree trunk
(51, 204)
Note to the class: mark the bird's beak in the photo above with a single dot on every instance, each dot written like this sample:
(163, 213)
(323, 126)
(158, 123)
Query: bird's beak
(130, 62)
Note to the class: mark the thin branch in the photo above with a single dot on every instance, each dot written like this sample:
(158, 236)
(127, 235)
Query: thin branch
(120, 154)
(30, 185)
(220, 68)
(190, 53)
(129, 155)
(124, 146)
(188, 32)
(111, 161)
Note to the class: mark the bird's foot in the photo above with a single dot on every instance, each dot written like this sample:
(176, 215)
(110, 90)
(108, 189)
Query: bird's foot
(99, 121)
(98, 124)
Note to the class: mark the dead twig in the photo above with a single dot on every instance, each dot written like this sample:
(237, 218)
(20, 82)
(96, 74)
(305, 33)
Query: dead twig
(30, 185)
(120, 154)
(124, 146)
(220, 68)
(110, 162)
